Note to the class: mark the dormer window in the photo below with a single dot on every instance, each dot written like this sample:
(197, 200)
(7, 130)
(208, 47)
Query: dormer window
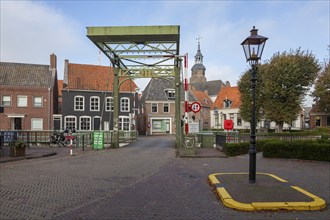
(227, 103)
(170, 93)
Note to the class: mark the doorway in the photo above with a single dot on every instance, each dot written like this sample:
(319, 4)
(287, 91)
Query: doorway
(17, 124)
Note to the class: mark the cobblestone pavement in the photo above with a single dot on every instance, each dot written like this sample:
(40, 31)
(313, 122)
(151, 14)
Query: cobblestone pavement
(143, 180)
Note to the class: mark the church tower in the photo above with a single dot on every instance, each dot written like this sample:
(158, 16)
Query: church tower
(198, 70)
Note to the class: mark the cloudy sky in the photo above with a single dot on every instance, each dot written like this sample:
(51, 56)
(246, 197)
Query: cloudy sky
(32, 30)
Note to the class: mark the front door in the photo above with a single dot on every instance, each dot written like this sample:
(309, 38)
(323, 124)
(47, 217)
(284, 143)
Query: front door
(17, 124)
(97, 123)
(168, 131)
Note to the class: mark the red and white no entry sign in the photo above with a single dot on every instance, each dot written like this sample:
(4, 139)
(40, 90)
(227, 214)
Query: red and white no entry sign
(195, 107)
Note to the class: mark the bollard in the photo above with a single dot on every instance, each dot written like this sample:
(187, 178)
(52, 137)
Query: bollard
(71, 153)
(83, 142)
(71, 140)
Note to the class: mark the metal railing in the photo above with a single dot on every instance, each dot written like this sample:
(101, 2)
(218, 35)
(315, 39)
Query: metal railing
(235, 137)
(82, 137)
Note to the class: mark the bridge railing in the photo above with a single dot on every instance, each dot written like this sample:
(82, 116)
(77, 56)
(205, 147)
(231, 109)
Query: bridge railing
(43, 137)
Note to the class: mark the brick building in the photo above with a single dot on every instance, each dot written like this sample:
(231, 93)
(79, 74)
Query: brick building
(157, 104)
(319, 118)
(28, 97)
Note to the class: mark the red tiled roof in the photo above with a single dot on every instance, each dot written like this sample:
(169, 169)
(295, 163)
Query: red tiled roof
(231, 93)
(203, 98)
(93, 77)
(60, 87)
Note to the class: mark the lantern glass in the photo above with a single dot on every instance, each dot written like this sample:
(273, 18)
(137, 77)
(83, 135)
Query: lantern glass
(253, 46)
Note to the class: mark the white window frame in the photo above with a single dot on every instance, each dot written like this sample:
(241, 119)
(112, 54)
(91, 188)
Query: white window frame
(170, 93)
(4, 101)
(73, 122)
(34, 102)
(23, 99)
(168, 107)
(109, 104)
(35, 122)
(99, 117)
(81, 106)
(239, 120)
(122, 121)
(227, 103)
(106, 125)
(89, 121)
(124, 102)
(152, 111)
(94, 102)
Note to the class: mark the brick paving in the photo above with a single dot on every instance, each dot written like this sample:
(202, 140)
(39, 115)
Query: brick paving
(143, 180)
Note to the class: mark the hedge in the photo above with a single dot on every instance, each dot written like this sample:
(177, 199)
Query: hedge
(235, 149)
(305, 150)
(302, 149)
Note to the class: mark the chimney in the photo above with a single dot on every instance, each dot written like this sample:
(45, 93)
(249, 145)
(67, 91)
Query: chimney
(53, 61)
(66, 72)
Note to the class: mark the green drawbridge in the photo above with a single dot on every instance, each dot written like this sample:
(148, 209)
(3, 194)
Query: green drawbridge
(141, 52)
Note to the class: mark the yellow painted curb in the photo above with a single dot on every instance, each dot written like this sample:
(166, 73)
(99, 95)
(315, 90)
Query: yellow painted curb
(316, 204)
(213, 180)
(275, 177)
(230, 202)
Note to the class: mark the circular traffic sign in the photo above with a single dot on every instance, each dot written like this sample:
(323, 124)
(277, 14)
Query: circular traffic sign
(195, 107)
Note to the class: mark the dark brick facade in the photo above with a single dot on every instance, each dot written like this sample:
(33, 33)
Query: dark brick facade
(102, 114)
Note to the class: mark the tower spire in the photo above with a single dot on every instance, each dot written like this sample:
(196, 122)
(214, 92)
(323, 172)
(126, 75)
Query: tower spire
(198, 39)
(199, 56)
(198, 70)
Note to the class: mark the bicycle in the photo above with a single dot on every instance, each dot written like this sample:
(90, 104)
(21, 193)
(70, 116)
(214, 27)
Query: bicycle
(58, 139)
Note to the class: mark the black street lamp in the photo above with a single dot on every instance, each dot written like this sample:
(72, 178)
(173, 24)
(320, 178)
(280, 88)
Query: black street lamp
(253, 47)
(216, 117)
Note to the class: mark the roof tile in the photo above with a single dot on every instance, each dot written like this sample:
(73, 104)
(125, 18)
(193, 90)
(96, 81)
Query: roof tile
(231, 93)
(25, 75)
(203, 98)
(93, 77)
(212, 87)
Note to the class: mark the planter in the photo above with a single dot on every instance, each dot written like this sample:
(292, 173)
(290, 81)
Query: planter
(17, 151)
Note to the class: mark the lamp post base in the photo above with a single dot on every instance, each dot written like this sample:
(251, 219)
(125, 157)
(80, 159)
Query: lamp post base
(252, 170)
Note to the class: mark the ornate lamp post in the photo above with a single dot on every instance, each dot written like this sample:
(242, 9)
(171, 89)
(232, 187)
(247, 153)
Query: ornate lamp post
(216, 117)
(221, 120)
(253, 47)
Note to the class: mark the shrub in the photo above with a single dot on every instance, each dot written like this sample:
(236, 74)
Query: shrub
(235, 149)
(274, 148)
(325, 136)
(306, 150)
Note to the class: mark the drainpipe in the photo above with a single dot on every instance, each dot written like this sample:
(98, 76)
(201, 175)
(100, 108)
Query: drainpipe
(49, 112)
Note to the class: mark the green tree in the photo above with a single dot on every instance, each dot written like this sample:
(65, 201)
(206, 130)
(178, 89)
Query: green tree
(244, 87)
(286, 82)
(282, 84)
(321, 93)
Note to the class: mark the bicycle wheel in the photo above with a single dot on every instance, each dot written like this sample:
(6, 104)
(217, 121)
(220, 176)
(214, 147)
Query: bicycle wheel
(61, 144)
(51, 141)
